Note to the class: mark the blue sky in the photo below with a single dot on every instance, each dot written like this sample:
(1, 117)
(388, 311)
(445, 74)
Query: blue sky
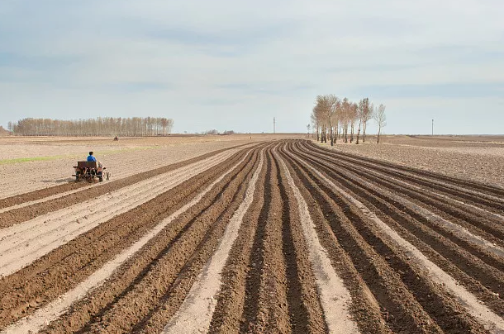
(235, 65)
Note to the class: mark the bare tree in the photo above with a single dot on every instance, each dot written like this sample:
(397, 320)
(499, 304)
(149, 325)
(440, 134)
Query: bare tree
(322, 113)
(308, 130)
(316, 121)
(353, 115)
(335, 117)
(327, 106)
(346, 119)
(381, 120)
(358, 108)
(367, 114)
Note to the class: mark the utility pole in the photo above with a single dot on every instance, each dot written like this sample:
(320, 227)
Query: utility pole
(274, 124)
(433, 126)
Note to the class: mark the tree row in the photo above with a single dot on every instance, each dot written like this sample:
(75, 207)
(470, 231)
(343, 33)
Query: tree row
(334, 118)
(101, 126)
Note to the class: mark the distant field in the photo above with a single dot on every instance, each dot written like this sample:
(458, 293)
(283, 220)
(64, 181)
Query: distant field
(32, 163)
(14, 147)
(478, 158)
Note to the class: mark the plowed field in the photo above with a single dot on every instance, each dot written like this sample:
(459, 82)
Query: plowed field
(274, 237)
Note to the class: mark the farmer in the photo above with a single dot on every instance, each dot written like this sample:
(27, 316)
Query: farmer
(91, 158)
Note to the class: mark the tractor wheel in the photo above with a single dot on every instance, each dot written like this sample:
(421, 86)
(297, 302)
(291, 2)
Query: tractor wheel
(100, 178)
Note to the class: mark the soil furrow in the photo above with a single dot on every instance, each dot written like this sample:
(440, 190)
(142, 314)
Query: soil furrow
(449, 315)
(398, 306)
(486, 189)
(256, 260)
(334, 297)
(438, 303)
(420, 210)
(402, 219)
(147, 276)
(228, 312)
(266, 308)
(481, 225)
(39, 283)
(48, 232)
(303, 303)
(365, 308)
(474, 242)
(273, 278)
(456, 187)
(195, 314)
(166, 282)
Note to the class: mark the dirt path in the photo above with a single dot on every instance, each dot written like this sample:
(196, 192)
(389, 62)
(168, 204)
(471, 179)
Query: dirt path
(284, 237)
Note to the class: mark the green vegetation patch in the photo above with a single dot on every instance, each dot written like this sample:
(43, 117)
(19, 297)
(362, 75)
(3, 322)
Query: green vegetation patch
(75, 156)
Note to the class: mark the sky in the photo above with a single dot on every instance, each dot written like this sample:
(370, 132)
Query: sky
(235, 65)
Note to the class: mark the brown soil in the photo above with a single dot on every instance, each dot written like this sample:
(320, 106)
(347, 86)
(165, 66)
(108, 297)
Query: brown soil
(78, 258)
(15, 216)
(269, 283)
(477, 158)
(22, 171)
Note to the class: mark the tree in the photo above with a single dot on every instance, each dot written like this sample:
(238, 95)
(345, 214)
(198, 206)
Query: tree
(353, 115)
(381, 120)
(315, 122)
(346, 118)
(321, 111)
(326, 106)
(358, 116)
(367, 114)
(308, 130)
(335, 118)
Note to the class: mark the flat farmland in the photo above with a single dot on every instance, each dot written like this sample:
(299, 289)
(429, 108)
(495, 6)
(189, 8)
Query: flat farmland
(246, 234)
(33, 163)
(478, 158)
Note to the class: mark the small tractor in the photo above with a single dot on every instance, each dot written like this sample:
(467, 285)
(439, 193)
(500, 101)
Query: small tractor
(89, 171)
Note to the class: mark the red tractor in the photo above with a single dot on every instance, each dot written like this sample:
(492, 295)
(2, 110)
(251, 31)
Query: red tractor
(89, 171)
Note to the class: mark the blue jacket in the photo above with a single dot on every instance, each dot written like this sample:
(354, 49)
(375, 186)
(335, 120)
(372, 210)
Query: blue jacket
(91, 158)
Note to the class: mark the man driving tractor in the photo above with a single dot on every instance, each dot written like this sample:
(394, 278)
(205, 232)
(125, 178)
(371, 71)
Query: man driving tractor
(91, 157)
(90, 169)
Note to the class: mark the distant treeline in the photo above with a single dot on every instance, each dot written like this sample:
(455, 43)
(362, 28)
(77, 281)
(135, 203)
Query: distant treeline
(101, 126)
